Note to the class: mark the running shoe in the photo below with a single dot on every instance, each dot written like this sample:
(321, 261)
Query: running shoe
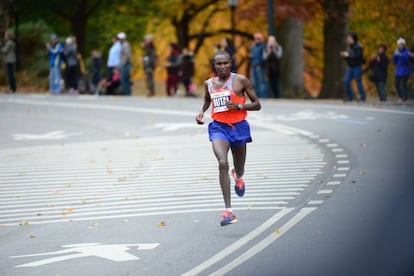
(239, 185)
(228, 218)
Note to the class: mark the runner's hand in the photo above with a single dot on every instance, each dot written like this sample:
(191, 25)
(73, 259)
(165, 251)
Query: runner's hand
(199, 118)
(230, 105)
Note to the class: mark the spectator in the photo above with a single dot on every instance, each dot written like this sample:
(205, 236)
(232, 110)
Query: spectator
(227, 45)
(379, 71)
(272, 56)
(8, 51)
(125, 64)
(257, 64)
(403, 69)
(111, 86)
(96, 69)
(72, 63)
(187, 71)
(55, 49)
(412, 64)
(354, 56)
(113, 57)
(173, 67)
(150, 62)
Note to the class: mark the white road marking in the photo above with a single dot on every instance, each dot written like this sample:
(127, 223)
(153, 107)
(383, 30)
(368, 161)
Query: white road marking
(315, 202)
(125, 176)
(343, 169)
(339, 175)
(337, 150)
(341, 155)
(112, 252)
(333, 183)
(53, 135)
(325, 192)
(264, 243)
(238, 244)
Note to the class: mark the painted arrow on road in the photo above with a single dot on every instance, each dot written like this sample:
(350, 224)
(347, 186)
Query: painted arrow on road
(112, 252)
(53, 135)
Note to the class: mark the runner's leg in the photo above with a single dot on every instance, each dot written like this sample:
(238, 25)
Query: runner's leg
(221, 149)
(239, 159)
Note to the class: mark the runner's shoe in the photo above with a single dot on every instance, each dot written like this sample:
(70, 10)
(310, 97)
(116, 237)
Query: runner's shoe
(228, 218)
(239, 185)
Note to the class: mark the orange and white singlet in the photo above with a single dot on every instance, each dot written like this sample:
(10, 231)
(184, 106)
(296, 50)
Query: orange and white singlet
(219, 97)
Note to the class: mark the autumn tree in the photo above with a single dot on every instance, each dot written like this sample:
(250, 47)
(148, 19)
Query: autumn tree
(335, 28)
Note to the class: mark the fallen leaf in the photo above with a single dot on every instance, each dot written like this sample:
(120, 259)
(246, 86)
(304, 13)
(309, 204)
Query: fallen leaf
(2, 225)
(126, 198)
(68, 185)
(24, 222)
(108, 171)
(95, 224)
(50, 205)
(32, 236)
(277, 230)
(161, 224)
(363, 172)
(364, 145)
(122, 179)
(307, 157)
(159, 157)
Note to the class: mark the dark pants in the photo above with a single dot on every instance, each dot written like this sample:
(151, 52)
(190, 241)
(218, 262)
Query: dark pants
(126, 79)
(10, 75)
(401, 84)
(274, 81)
(149, 76)
(172, 83)
(72, 77)
(356, 74)
(382, 94)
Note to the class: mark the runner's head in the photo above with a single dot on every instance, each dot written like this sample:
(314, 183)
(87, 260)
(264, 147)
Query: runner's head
(222, 63)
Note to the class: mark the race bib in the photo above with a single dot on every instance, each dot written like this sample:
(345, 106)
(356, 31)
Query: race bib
(219, 100)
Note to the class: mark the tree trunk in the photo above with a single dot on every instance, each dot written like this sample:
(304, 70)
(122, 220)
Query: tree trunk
(3, 17)
(335, 30)
(78, 25)
(292, 63)
(182, 30)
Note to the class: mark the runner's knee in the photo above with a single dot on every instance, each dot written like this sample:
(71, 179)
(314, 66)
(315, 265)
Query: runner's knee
(223, 165)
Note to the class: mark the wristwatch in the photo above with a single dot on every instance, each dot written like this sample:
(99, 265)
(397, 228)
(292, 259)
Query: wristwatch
(239, 106)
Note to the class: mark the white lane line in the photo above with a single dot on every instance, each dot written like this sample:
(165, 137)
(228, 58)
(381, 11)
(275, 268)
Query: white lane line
(238, 244)
(175, 212)
(342, 162)
(315, 202)
(332, 145)
(325, 192)
(339, 175)
(264, 243)
(333, 183)
(343, 169)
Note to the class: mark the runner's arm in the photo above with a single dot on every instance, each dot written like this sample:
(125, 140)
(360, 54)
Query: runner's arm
(248, 89)
(204, 107)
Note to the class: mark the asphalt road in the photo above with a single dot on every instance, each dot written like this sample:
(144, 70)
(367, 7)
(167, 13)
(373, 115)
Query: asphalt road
(128, 186)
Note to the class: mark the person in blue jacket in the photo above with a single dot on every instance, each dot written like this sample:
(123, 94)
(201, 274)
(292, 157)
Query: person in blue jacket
(257, 63)
(55, 49)
(403, 69)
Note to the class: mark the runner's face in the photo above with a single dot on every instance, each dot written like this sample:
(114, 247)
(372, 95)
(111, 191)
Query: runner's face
(222, 64)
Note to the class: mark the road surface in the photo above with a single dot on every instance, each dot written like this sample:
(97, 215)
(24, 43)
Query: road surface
(128, 186)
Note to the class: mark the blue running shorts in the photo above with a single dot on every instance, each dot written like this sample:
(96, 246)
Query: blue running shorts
(237, 134)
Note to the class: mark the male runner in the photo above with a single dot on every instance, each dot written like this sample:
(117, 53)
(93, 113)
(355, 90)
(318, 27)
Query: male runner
(229, 128)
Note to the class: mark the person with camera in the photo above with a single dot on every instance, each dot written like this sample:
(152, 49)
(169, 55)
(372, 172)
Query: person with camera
(272, 56)
(354, 57)
(379, 71)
